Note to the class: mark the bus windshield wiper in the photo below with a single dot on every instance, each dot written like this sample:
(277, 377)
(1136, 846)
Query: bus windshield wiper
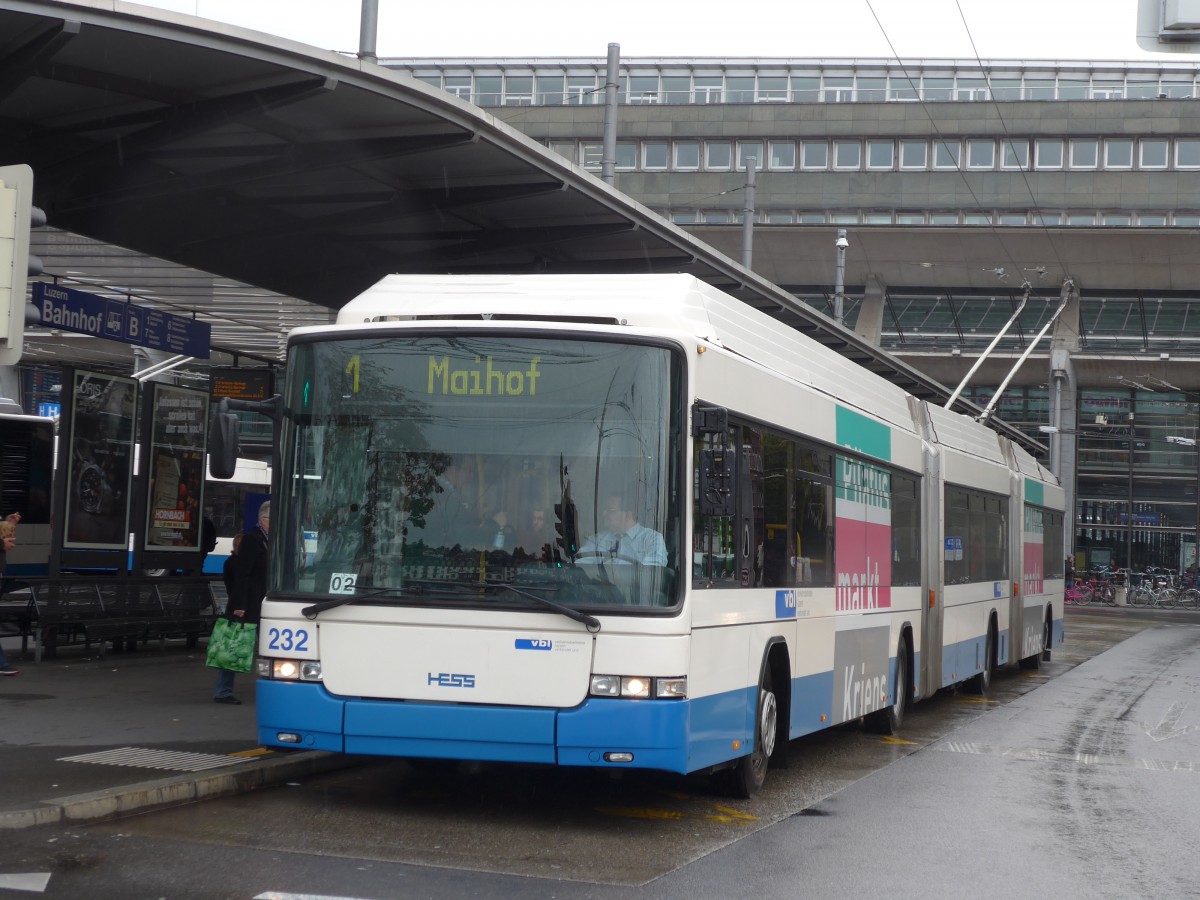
(590, 622)
(311, 612)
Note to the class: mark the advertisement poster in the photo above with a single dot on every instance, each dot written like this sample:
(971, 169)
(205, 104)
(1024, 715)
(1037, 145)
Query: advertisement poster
(176, 501)
(100, 462)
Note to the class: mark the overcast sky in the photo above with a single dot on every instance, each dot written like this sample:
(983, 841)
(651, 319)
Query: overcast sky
(1001, 29)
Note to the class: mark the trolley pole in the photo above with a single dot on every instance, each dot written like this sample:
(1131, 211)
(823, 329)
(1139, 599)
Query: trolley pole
(748, 213)
(608, 160)
(839, 289)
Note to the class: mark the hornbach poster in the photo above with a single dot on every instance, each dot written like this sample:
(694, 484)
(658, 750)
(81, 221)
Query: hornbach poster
(99, 462)
(176, 468)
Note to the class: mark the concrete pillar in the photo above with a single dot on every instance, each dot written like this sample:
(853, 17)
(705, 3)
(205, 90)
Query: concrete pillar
(1064, 411)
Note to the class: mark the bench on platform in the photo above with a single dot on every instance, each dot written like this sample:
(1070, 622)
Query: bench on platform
(120, 611)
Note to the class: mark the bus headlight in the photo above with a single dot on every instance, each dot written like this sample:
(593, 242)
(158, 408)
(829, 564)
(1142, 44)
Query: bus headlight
(288, 669)
(638, 687)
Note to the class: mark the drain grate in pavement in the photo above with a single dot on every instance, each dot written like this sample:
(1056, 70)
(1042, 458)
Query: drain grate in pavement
(141, 758)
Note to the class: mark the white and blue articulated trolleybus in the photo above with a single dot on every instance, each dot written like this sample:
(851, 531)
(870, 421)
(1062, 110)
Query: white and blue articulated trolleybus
(627, 522)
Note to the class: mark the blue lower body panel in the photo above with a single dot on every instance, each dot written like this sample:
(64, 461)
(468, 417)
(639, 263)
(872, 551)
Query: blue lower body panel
(672, 735)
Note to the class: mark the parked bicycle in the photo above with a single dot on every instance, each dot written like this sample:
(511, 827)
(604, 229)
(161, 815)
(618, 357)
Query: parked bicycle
(1079, 593)
(1156, 590)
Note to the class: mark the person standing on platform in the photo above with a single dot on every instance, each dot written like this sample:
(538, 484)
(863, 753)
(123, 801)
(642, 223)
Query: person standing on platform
(249, 586)
(8, 540)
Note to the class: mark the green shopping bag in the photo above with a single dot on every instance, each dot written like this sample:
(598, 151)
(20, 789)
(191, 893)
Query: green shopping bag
(231, 645)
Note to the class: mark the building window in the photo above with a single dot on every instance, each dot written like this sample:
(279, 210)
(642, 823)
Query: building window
(935, 89)
(1006, 88)
(779, 217)
(1011, 219)
(783, 155)
(1177, 90)
(1187, 153)
(1043, 218)
(772, 89)
(910, 218)
(1039, 89)
(1118, 153)
(746, 151)
(488, 90)
(1152, 153)
(812, 218)
(1187, 220)
(1016, 155)
(549, 90)
(977, 218)
(656, 154)
(739, 89)
(871, 90)
(1152, 220)
(1085, 153)
(1142, 89)
(677, 89)
(877, 218)
(565, 149)
(972, 89)
(459, 86)
(1083, 219)
(806, 89)
(1049, 154)
(627, 156)
(914, 154)
(843, 218)
(643, 89)
(591, 154)
(981, 154)
(943, 218)
(718, 154)
(1117, 220)
(839, 90)
(518, 90)
(946, 154)
(815, 155)
(1073, 88)
(718, 217)
(901, 87)
(687, 155)
(685, 217)
(847, 154)
(709, 88)
(581, 90)
(880, 154)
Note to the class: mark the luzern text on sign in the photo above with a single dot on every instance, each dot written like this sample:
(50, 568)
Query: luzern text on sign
(69, 309)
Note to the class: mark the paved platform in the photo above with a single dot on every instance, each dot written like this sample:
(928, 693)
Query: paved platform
(85, 738)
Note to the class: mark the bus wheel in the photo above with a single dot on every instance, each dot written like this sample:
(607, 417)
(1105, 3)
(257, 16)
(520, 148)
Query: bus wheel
(888, 719)
(979, 684)
(749, 772)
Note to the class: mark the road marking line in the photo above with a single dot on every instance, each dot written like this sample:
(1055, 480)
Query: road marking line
(1031, 754)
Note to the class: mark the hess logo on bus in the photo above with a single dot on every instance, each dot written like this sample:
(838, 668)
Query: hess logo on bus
(451, 680)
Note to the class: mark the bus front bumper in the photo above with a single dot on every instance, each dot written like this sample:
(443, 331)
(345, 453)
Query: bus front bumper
(656, 734)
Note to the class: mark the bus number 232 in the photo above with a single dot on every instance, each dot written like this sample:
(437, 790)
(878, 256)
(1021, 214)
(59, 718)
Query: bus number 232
(287, 640)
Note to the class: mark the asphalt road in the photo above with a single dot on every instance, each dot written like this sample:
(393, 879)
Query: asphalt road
(1078, 780)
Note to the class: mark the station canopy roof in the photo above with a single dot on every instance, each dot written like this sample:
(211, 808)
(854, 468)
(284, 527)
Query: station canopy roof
(262, 183)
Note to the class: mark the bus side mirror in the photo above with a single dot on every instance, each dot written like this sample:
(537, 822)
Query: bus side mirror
(223, 449)
(716, 480)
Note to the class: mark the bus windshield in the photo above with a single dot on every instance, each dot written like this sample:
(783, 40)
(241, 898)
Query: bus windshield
(448, 470)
